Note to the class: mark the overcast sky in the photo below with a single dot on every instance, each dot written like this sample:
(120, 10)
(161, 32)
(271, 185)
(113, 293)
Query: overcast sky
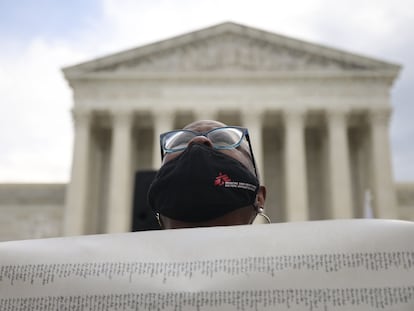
(39, 37)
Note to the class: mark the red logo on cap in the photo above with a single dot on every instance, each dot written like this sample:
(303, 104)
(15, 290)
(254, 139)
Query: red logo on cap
(221, 179)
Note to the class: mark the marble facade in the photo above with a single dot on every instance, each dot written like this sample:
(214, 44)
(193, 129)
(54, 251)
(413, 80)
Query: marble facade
(318, 119)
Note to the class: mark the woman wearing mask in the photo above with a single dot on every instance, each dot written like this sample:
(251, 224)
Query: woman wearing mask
(208, 177)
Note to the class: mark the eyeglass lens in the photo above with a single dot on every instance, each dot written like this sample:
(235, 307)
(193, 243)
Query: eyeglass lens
(220, 138)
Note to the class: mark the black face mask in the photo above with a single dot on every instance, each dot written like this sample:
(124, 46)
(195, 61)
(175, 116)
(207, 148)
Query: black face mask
(202, 184)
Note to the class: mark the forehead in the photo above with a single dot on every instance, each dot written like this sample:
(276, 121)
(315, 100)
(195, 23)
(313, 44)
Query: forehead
(204, 125)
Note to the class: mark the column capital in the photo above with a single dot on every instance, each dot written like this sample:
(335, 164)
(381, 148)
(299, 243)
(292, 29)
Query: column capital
(162, 117)
(337, 112)
(251, 114)
(162, 111)
(205, 114)
(82, 116)
(249, 111)
(293, 116)
(380, 116)
(122, 117)
(336, 117)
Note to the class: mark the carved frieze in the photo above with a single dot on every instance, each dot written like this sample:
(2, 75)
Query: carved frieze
(231, 52)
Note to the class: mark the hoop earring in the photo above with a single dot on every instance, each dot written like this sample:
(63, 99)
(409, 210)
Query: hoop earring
(261, 213)
(157, 215)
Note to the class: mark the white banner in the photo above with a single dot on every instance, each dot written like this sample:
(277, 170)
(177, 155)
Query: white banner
(320, 265)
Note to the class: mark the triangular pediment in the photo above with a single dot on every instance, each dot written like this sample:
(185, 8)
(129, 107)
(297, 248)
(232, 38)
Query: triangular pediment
(230, 47)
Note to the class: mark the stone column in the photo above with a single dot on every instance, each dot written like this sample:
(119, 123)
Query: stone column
(384, 196)
(253, 121)
(295, 167)
(78, 188)
(120, 184)
(163, 122)
(338, 166)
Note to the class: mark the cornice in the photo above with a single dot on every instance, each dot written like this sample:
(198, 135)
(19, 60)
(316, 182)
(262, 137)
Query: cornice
(242, 75)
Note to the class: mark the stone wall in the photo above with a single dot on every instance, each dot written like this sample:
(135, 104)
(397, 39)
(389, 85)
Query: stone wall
(29, 211)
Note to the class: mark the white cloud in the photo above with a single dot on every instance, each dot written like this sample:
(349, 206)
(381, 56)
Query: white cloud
(137, 22)
(35, 126)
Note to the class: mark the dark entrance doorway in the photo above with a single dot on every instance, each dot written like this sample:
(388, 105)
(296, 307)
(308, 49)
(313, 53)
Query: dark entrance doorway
(143, 218)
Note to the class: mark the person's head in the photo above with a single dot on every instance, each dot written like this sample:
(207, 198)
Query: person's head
(208, 177)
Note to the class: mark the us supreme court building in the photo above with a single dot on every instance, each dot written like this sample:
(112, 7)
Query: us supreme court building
(318, 120)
